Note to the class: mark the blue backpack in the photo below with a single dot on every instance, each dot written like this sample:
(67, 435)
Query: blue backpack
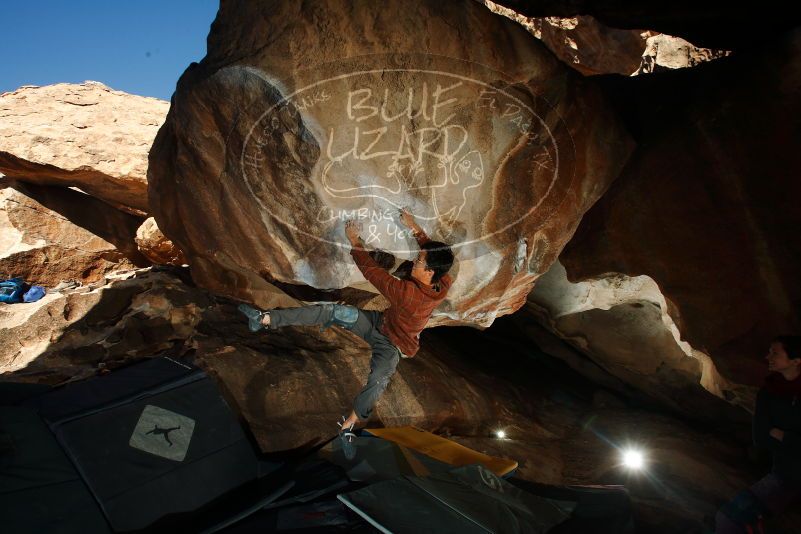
(12, 290)
(33, 294)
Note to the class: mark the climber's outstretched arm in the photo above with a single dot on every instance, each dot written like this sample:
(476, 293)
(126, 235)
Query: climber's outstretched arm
(419, 234)
(392, 288)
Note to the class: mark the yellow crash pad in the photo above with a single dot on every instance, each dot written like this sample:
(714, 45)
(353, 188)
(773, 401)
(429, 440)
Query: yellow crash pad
(442, 449)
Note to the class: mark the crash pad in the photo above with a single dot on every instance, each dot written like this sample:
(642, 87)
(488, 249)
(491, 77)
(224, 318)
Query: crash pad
(442, 449)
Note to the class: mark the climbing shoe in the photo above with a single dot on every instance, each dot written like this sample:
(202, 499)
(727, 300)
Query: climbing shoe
(254, 317)
(346, 437)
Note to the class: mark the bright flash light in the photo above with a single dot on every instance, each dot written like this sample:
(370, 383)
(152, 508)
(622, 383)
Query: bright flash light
(500, 434)
(633, 459)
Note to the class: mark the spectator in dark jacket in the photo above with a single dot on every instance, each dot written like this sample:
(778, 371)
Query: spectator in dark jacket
(777, 429)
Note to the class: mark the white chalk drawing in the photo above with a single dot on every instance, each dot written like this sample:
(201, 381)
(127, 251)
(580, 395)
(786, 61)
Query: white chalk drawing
(411, 147)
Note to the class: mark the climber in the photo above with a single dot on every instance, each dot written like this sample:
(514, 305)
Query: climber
(776, 428)
(393, 333)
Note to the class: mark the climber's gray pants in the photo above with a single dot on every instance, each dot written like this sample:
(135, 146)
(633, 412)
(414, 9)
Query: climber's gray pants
(365, 324)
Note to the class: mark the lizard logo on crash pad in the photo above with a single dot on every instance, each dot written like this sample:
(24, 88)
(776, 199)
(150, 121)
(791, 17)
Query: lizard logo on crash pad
(163, 433)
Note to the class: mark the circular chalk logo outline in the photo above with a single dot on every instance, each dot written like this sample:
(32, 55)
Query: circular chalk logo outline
(288, 99)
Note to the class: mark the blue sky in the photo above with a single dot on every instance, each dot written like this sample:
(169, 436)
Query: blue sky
(140, 47)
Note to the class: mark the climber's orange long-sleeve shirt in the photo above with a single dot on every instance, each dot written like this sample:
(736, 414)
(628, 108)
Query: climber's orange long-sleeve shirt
(410, 302)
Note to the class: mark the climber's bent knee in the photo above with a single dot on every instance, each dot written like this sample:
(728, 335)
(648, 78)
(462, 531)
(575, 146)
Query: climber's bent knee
(342, 315)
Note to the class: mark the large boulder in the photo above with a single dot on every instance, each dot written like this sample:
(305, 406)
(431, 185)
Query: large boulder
(302, 115)
(155, 246)
(624, 325)
(81, 135)
(707, 209)
(53, 234)
(582, 42)
(591, 47)
(714, 24)
(588, 46)
(663, 52)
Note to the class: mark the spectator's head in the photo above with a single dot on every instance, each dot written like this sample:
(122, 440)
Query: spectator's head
(438, 258)
(784, 355)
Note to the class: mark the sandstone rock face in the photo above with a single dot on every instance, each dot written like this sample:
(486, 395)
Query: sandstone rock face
(275, 138)
(82, 135)
(582, 42)
(707, 205)
(623, 324)
(68, 334)
(591, 47)
(714, 25)
(52, 234)
(665, 52)
(155, 246)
